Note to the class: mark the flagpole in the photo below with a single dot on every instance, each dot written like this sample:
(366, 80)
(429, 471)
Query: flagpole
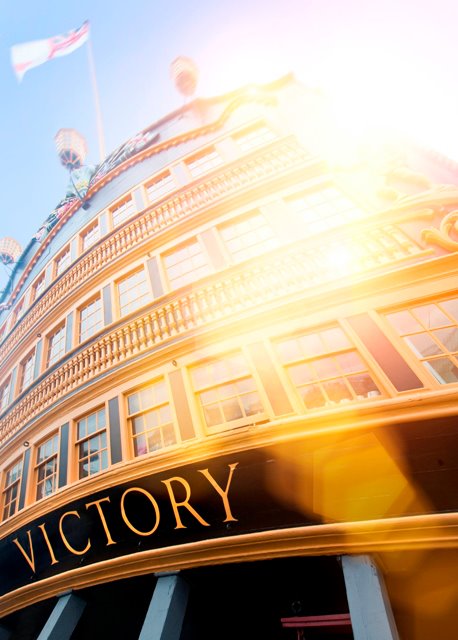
(100, 134)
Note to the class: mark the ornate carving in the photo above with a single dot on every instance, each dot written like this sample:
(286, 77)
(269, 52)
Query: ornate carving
(443, 237)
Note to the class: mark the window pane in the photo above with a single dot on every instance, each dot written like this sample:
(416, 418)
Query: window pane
(337, 391)
(204, 162)
(429, 341)
(152, 429)
(364, 386)
(186, 265)
(90, 318)
(404, 322)
(133, 292)
(350, 362)
(323, 209)
(326, 380)
(313, 397)
(122, 212)
(160, 187)
(56, 345)
(451, 307)
(253, 138)
(431, 316)
(443, 370)
(449, 338)
(92, 450)
(232, 395)
(422, 345)
(90, 236)
(249, 237)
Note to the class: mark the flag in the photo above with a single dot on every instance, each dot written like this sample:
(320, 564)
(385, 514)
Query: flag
(31, 54)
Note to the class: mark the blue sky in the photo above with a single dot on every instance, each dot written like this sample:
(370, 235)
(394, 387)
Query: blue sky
(397, 57)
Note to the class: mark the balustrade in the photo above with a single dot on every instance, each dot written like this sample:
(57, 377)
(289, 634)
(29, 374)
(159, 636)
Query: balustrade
(283, 274)
(286, 155)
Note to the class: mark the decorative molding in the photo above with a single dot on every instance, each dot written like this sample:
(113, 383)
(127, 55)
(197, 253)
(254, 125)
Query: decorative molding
(222, 297)
(100, 179)
(280, 158)
(443, 236)
(390, 534)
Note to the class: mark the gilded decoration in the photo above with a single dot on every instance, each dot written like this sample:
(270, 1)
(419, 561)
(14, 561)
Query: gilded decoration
(447, 234)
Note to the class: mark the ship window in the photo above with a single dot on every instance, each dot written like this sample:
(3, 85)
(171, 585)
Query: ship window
(56, 345)
(160, 186)
(150, 419)
(38, 287)
(27, 370)
(46, 467)
(5, 394)
(91, 444)
(122, 211)
(17, 313)
(227, 392)
(62, 261)
(248, 237)
(323, 209)
(326, 369)
(186, 264)
(90, 235)
(203, 162)
(254, 137)
(133, 292)
(11, 490)
(90, 319)
(431, 333)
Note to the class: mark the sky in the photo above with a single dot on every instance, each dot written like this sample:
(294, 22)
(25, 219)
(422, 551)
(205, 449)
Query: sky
(385, 63)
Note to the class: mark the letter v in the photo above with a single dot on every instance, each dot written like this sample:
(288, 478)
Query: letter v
(31, 559)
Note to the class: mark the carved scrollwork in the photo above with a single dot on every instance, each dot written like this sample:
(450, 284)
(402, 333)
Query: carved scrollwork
(443, 236)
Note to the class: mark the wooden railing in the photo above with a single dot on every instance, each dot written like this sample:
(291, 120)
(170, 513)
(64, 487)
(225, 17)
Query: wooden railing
(275, 160)
(291, 271)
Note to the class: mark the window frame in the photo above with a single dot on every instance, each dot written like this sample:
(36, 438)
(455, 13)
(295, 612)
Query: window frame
(29, 357)
(57, 269)
(80, 309)
(353, 346)
(238, 220)
(40, 280)
(93, 231)
(78, 442)
(5, 386)
(149, 291)
(143, 411)
(195, 240)
(120, 204)
(18, 312)
(166, 177)
(237, 423)
(6, 488)
(319, 224)
(248, 131)
(416, 362)
(37, 465)
(196, 169)
(60, 327)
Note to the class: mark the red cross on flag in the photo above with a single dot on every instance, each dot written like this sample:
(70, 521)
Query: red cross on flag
(31, 54)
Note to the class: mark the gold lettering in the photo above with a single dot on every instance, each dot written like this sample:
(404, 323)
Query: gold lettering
(30, 559)
(184, 503)
(102, 518)
(64, 539)
(219, 490)
(48, 543)
(155, 507)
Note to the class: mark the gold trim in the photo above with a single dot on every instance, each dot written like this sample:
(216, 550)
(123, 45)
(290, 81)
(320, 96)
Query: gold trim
(393, 534)
(442, 236)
